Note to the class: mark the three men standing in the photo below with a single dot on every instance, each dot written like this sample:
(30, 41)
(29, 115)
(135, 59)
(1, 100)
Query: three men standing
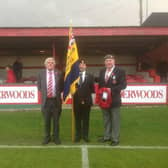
(50, 84)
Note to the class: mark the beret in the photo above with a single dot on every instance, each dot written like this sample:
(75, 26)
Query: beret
(109, 56)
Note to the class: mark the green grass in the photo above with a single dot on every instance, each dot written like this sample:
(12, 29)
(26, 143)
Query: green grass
(139, 126)
(20, 128)
(118, 158)
(142, 126)
(40, 158)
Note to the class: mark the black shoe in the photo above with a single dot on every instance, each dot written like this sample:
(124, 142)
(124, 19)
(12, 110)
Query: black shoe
(103, 140)
(46, 141)
(114, 143)
(57, 141)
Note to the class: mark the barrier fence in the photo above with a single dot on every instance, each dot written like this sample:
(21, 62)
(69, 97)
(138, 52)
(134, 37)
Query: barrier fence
(133, 94)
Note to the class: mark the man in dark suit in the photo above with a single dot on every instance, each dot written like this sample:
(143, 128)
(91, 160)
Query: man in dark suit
(17, 68)
(82, 103)
(50, 85)
(114, 78)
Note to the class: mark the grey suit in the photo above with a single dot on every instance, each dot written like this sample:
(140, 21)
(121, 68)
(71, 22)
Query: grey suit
(51, 107)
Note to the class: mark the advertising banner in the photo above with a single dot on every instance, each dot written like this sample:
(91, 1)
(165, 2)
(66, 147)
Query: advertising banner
(19, 94)
(144, 94)
(133, 94)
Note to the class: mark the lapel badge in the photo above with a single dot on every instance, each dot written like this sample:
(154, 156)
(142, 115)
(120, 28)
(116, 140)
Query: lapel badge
(114, 79)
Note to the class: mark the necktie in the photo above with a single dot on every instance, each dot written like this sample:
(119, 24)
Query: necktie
(107, 76)
(50, 85)
(80, 79)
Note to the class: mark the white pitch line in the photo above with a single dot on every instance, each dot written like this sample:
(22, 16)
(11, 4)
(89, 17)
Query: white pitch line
(81, 146)
(85, 159)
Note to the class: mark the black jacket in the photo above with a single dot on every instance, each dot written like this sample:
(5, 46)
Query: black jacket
(116, 81)
(83, 93)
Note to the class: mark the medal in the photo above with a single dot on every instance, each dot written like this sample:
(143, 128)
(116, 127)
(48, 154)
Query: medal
(114, 79)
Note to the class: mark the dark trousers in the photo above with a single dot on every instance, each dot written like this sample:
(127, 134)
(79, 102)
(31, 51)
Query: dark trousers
(51, 114)
(82, 112)
(18, 75)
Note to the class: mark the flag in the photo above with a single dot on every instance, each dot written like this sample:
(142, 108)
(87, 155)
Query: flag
(72, 68)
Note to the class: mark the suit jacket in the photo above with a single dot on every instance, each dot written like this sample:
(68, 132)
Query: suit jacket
(85, 90)
(42, 87)
(116, 81)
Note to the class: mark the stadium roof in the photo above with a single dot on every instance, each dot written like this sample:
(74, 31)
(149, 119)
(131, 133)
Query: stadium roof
(99, 41)
(156, 20)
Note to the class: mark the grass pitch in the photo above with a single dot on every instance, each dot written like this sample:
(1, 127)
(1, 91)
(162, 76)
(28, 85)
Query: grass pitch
(140, 126)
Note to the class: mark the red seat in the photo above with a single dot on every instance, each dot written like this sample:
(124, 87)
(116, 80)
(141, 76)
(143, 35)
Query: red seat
(152, 72)
(157, 79)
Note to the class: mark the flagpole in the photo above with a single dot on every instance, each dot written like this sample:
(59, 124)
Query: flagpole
(73, 122)
(71, 76)
(72, 113)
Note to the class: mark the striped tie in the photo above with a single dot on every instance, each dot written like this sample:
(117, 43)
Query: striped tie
(107, 76)
(50, 85)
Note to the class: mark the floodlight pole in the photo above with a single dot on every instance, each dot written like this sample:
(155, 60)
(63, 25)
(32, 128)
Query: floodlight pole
(140, 12)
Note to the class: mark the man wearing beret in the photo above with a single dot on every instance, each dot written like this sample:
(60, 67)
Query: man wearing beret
(114, 78)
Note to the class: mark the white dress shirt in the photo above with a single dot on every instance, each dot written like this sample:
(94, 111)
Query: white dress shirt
(53, 81)
(83, 75)
(108, 73)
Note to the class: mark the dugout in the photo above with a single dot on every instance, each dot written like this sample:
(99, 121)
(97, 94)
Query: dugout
(134, 47)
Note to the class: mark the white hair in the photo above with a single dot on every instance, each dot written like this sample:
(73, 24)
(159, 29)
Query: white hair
(49, 59)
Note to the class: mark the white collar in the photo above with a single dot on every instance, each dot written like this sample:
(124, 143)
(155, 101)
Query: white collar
(111, 70)
(83, 72)
(50, 71)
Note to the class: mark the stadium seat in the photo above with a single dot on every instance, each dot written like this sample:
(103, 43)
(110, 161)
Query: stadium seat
(135, 79)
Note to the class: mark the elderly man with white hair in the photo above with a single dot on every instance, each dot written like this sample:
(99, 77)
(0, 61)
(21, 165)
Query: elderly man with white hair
(50, 85)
